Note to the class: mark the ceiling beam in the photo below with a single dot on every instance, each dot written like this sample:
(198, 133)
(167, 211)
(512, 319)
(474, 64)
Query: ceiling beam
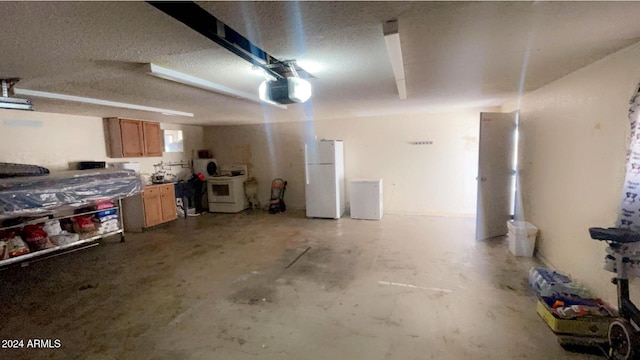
(86, 100)
(186, 79)
(198, 19)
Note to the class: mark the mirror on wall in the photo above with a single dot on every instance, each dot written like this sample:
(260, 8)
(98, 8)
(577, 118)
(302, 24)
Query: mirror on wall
(173, 141)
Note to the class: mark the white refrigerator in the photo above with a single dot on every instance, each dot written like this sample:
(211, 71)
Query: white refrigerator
(324, 174)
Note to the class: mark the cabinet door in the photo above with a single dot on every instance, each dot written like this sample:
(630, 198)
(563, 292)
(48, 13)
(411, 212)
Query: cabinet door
(152, 138)
(152, 206)
(168, 195)
(132, 138)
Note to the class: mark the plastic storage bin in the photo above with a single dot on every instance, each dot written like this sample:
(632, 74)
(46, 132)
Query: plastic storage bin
(522, 238)
(594, 328)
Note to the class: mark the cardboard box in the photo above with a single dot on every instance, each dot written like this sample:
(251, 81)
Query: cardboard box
(592, 326)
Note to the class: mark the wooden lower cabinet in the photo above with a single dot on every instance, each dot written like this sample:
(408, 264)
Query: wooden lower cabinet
(168, 202)
(156, 205)
(152, 203)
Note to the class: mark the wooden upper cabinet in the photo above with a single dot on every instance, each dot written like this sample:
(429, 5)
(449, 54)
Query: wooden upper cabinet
(133, 138)
(152, 138)
(131, 133)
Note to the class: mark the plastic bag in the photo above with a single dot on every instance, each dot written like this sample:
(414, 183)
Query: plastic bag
(64, 238)
(104, 213)
(570, 312)
(105, 218)
(546, 283)
(104, 205)
(36, 238)
(108, 226)
(52, 227)
(66, 225)
(15, 245)
(82, 224)
(4, 250)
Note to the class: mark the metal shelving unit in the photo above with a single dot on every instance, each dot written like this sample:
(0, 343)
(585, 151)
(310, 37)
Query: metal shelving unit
(82, 243)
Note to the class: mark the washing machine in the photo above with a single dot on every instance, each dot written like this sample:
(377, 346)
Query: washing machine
(207, 167)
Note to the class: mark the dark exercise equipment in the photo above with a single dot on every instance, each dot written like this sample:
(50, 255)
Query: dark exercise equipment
(276, 204)
(624, 337)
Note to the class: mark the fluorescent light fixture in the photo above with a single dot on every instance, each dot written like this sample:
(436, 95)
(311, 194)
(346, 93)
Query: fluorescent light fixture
(186, 79)
(86, 100)
(12, 103)
(392, 40)
(15, 104)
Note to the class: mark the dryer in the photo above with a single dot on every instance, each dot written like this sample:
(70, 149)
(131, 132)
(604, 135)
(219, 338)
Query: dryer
(208, 167)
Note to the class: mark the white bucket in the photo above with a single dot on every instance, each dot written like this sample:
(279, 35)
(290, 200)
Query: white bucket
(522, 238)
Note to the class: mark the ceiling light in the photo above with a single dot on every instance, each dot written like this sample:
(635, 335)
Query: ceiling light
(299, 89)
(7, 102)
(186, 79)
(392, 40)
(49, 95)
(285, 91)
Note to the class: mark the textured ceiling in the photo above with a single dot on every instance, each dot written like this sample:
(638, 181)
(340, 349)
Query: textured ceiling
(456, 54)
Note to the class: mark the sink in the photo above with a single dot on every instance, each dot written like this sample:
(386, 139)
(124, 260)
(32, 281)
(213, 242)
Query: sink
(164, 182)
(163, 178)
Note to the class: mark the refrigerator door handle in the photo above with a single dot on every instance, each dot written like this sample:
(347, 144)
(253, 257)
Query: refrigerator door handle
(306, 165)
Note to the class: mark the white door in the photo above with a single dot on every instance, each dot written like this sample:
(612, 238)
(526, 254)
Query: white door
(320, 191)
(495, 173)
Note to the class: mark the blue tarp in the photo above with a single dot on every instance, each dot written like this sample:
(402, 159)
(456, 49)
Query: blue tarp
(33, 195)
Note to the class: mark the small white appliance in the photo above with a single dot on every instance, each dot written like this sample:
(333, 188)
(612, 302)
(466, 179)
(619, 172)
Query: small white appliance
(324, 173)
(365, 198)
(207, 167)
(225, 190)
(135, 166)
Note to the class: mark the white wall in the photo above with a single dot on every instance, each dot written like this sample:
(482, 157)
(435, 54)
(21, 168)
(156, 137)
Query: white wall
(435, 179)
(574, 135)
(55, 141)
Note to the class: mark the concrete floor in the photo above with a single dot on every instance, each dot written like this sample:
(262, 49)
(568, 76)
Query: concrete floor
(217, 286)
